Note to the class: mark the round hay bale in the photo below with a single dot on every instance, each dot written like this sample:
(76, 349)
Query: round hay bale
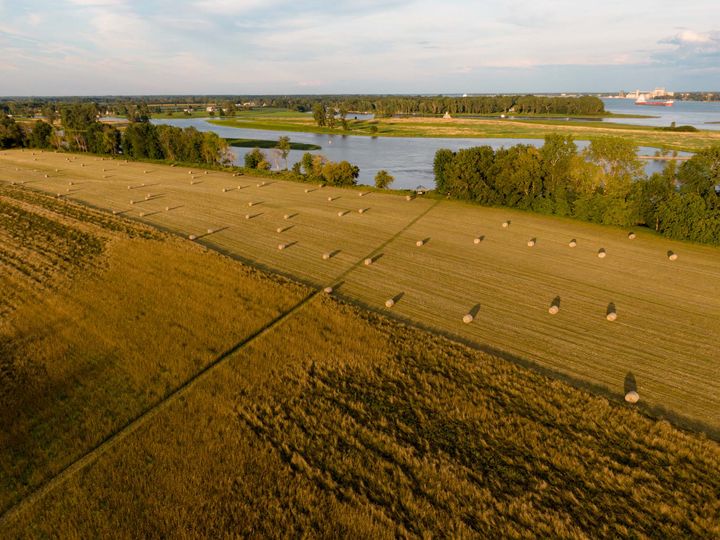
(147, 197)
(632, 397)
(206, 172)
(572, 243)
(70, 183)
(612, 316)
(192, 237)
(420, 243)
(142, 214)
(59, 195)
(673, 256)
(553, 310)
(505, 224)
(368, 261)
(145, 172)
(224, 190)
(114, 212)
(361, 194)
(467, 318)
(631, 236)
(531, 243)
(341, 213)
(167, 208)
(282, 246)
(408, 197)
(279, 229)
(247, 216)
(251, 203)
(57, 170)
(210, 231)
(389, 303)
(328, 290)
(330, 199)
(46, 176)
(261, 184)
(307, 190)
(286, 216)
(476, 240)
(189, 172)
(321, 185)
(601, 253)
(132, 202)
(361, 210)
(325, 256)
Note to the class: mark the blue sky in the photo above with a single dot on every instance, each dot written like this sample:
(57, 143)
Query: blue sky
(91, 47)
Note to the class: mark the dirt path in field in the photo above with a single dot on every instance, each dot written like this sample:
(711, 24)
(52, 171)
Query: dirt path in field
(137, 422)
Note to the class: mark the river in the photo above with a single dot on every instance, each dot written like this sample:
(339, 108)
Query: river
(408, 159)
(699, 114)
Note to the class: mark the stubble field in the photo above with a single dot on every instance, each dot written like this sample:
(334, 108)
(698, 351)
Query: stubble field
(663, 341)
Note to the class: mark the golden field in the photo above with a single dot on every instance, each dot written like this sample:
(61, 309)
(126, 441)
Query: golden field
(152, 388)
(665, 335)
(667, 311)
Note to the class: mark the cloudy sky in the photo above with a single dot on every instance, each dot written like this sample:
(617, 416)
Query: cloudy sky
(94, 47)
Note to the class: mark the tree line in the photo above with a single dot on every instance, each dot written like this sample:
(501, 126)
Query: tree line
(605, 183)
(80, 131)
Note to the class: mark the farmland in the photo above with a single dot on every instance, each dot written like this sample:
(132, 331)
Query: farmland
(160, 389)
(664, 337)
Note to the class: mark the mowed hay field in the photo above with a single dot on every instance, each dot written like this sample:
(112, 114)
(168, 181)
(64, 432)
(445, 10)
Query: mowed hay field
(668, 312)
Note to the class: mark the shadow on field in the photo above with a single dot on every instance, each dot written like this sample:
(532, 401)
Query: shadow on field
(555, 302)
(474, 310)
(630, 383)
(214, 231)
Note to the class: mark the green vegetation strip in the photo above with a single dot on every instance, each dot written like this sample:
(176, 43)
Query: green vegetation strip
(259, 143)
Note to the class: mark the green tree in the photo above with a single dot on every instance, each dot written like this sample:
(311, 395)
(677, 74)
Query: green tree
(443, 158)
(340, 174)
(283, 147)
(10, 133)
(41, 135)
(256, 159)
(319, 114)
(383, 179)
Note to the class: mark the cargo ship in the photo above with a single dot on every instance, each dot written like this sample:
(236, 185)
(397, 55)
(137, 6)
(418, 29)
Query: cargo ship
(642, 100)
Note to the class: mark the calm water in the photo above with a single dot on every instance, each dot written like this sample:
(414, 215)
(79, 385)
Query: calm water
(409, 160)
(683, 113)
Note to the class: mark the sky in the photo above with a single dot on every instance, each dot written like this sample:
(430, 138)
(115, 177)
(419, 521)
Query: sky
(124, 47)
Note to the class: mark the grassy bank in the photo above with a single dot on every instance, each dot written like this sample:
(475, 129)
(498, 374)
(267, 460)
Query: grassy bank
(258, 143)
(478, 128)
(331, 422)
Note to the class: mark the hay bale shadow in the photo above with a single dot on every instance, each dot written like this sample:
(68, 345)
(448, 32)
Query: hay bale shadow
(611, 308)
(630, 384)
(398, 297)
(555, 302)
(214, 231)
(335, 252)
(474, 310)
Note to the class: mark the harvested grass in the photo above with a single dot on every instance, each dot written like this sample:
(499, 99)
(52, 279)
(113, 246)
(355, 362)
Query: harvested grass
(506, 277)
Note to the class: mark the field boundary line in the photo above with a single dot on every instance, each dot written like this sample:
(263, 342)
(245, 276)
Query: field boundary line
(139, 420)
